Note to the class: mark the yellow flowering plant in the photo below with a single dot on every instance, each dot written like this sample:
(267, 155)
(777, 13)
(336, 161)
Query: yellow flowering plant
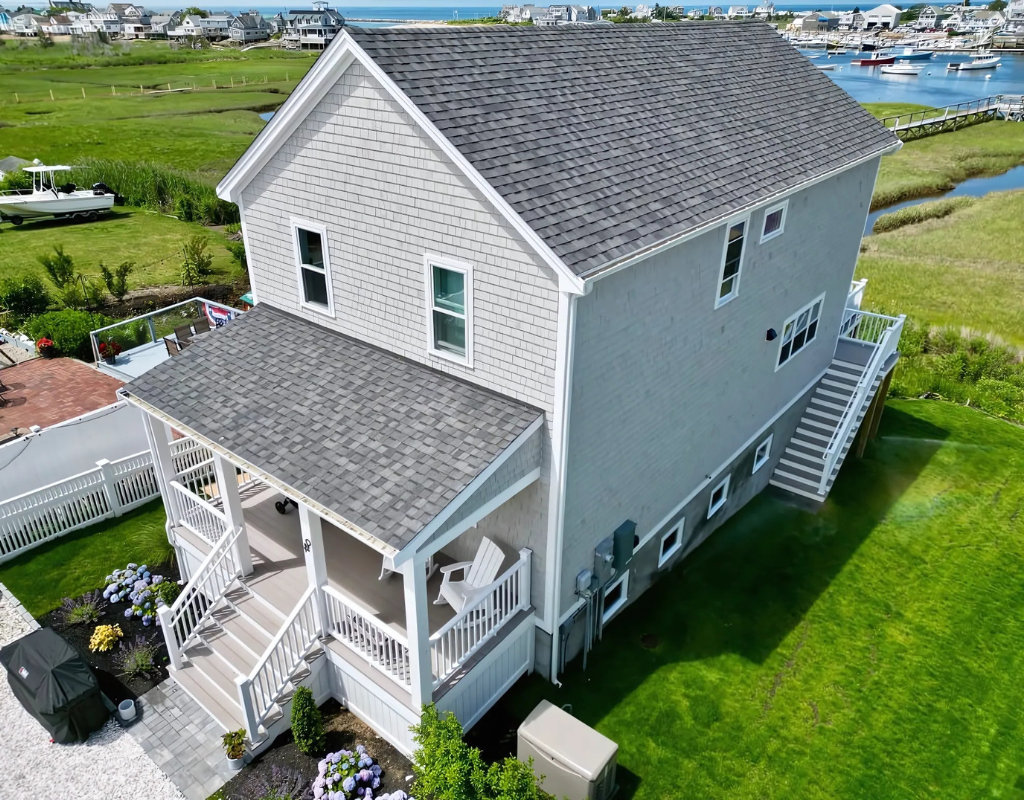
(104, 638)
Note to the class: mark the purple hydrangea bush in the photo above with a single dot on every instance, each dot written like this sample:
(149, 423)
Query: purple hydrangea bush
(349, 774)
(135, 583)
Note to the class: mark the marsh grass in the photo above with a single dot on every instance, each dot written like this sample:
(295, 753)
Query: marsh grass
(919, 213)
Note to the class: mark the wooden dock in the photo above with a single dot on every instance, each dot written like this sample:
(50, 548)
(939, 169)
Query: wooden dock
(949, 118)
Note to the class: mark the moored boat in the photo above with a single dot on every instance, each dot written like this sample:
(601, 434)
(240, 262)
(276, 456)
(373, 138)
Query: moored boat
(874, 62)
(47, 199)
(901, 69)
(913, 54)
(987, 62)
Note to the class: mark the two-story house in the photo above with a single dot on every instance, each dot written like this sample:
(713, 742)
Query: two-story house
(251, 27)
(932, 17)
(506, 368)
(311, 29)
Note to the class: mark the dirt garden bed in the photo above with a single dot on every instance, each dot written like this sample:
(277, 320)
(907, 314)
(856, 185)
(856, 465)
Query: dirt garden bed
(114, 684)
(284, 767)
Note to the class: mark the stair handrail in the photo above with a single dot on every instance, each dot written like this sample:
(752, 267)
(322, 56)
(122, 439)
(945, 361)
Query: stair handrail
(258, 691)
(207, 587)
(886, 347)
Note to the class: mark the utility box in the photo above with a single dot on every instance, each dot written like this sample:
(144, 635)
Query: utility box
(576, 761)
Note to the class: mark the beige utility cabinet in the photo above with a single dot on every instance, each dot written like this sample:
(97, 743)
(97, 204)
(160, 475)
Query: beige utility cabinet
(576, 761)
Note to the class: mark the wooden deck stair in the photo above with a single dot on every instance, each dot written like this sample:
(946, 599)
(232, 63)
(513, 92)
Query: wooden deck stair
(230, 640)
(800, 469)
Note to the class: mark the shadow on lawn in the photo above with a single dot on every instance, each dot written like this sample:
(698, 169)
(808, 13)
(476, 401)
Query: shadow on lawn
(741, 592)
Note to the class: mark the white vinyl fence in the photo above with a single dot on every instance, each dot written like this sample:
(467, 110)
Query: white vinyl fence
(113, 487)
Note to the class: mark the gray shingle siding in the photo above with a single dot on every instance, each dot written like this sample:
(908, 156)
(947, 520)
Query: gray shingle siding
(666, 387)
(606, 140)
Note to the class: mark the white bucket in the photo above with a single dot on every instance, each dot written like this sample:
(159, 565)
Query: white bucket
(126, 710)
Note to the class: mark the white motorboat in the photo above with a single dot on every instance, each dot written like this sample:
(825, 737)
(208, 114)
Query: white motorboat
(47, 199)
(901, 69)
(987, 62)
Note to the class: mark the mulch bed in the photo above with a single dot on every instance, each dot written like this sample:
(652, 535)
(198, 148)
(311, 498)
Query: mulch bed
(344, 731)
(113, 684)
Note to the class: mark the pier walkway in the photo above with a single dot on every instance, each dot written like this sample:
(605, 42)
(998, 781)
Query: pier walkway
(949, 118)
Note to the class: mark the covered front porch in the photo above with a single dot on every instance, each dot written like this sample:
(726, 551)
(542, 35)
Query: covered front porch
(316, 539)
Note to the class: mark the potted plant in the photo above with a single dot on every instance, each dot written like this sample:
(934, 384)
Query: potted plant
(234, 748)
(46, 348)
(109, 351)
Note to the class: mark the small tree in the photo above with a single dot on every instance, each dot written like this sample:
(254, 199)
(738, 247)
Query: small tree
(59, 266)
(117, 280)
(196, 262)
(307, 723)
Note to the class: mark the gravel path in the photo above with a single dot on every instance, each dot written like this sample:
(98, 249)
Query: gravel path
(110, 766)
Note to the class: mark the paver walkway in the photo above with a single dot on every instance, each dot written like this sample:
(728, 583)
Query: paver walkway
(183, 740)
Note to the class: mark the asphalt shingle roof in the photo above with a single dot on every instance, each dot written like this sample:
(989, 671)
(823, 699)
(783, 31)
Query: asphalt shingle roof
(382, 441)
(609, 139)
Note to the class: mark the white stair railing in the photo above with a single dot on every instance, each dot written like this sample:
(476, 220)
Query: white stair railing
(208, 586)
(885, 333)
(198, 515)
(376, 641)
(259, 691)
(467, 632)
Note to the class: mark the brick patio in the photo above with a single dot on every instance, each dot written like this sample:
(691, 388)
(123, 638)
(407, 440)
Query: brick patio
(45, 391)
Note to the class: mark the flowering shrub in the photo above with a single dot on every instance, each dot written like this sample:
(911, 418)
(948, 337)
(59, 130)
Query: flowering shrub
(349, 774)
(138, 659)
(43, 343)
(137, 584)
(87, 608)
(104, 638)
(109, 349)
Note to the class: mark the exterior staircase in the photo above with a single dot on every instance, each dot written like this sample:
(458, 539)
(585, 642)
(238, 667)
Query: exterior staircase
(801, 469)
(228, 644)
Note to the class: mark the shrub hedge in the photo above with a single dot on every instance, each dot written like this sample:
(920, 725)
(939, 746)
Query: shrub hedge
(69, 330)
(919, 213)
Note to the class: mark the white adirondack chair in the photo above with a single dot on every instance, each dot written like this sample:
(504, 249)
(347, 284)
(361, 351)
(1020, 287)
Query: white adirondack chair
(478, 575)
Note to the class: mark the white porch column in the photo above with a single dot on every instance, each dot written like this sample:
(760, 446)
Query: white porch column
(158, 433)
(313, 552)
(417, 624)
(227, 482)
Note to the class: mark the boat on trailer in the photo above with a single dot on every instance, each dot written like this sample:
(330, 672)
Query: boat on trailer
(986, 62)
(47, 199)
(901, 69)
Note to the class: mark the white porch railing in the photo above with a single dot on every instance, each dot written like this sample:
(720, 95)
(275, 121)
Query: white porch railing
(259, 692)
(113, 487)
(193, 463)
(380, 644)
(884, 333)
(209, 584)
(462, 636)
(198, 515)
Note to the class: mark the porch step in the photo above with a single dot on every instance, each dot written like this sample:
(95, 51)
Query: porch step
(199, 688)
(261, 616)
(215, 667)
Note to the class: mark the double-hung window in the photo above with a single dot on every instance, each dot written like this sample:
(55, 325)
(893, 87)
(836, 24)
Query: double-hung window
(449, 299)
(729, 282)
(314, 269)
(799, 330)
(774, 221)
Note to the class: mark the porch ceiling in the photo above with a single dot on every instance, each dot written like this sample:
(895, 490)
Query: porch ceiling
(381, 442)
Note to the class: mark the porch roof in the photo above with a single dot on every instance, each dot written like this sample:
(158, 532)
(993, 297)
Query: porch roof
(383, 442)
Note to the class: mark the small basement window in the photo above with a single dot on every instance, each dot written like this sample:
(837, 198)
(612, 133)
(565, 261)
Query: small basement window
(799, 330)
(729, 282)
(774, 221)
(671, 542)
(314, 266)
(450, 301)
(615, 597)
(764, 450)
(718, 497)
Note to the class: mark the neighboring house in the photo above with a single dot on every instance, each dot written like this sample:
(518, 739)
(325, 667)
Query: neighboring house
(763, 11)
(28, 24)
(851, 21)
(311, 30)
(5, 20)
(216, 26)
(97, 21)
(249, 27)
(883, 16)
(739, 12)
(932, 17)
(983, 21)
(57, 25)
(134, 28)
(127, 10)
(820, 22)
(565, 370)
(161, 24)
(189, 26)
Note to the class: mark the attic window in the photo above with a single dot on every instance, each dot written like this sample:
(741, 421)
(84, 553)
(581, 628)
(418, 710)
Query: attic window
(774, 221)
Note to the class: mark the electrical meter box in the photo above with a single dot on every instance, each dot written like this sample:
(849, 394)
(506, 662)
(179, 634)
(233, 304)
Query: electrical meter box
(576, 761)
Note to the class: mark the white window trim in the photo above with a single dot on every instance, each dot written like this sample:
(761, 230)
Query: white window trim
(767, 444)
(677, 529)
(610, 611)
(794, 317)
(714, 507)
(433, 260)
(314, 227)
(721, 301)
(784, 207)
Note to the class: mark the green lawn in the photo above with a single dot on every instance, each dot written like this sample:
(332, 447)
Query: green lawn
(935, 163)
(151, 240)
(882, 110)
(80, 561)
(963, 270)
(873, 650)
